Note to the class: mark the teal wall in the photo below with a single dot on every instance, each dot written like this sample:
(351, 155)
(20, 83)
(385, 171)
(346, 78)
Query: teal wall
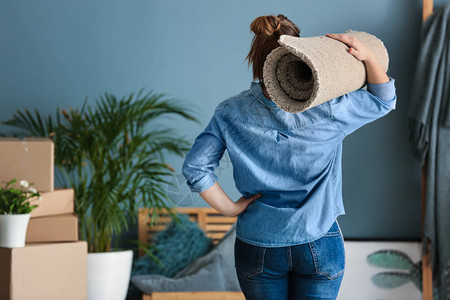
(56, 53)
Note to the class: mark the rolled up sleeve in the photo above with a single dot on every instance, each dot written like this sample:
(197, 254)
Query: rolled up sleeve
(205, 155)
(355, 109)
(384, 91)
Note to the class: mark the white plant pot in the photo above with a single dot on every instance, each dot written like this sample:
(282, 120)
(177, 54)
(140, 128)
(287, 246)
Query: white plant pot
(109, 274)
(13, 230)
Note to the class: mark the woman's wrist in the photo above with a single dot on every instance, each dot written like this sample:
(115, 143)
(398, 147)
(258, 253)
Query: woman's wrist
(375, 73)
(216, 197)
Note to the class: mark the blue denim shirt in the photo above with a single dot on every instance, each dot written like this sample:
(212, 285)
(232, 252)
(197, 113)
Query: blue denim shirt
(293, 160)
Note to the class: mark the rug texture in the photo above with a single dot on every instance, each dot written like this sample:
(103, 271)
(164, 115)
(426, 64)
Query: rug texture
(305, 72)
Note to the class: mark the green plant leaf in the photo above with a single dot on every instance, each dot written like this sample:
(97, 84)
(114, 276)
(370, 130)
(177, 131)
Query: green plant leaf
(392, 259)
(390, 280)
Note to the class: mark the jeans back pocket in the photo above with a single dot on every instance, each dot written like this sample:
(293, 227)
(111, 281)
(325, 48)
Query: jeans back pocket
(334, 230)
(329, 253)
(249, 259)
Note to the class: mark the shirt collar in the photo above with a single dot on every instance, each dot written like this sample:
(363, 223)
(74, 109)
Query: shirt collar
(256, 90)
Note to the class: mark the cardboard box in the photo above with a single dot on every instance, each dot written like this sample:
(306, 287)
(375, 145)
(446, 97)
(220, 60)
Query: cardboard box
(58, 202)
(44, 271)
(31, 159)
(62, 228)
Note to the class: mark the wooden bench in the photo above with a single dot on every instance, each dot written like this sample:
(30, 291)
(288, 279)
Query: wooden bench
(215, 226)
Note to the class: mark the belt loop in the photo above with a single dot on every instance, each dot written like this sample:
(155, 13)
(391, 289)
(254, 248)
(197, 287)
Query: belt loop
(290, 257)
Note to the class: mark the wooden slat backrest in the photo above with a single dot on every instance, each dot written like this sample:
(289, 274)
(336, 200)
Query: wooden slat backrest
(210, 220)
(225, 295)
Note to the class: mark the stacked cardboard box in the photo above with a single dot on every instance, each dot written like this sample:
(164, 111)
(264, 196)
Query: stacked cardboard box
(29, 159)
(44, 271)
(54, 220)
(53, 263)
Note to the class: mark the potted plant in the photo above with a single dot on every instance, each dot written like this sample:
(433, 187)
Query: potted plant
(112, 155)
(15, 210)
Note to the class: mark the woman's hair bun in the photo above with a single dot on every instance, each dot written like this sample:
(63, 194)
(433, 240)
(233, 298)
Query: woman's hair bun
(265, 25)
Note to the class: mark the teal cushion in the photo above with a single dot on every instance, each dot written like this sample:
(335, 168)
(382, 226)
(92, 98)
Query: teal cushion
(176, 247)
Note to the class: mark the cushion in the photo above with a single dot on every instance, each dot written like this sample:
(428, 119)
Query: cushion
(225, 249)
(176, 247)
(208, 278)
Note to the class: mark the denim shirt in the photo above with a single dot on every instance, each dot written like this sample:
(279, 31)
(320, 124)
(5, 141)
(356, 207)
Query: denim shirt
(293, 159)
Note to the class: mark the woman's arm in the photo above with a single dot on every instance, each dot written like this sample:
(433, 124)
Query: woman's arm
(198, 169)
(355, 109)
(375, 73)
(217, 198)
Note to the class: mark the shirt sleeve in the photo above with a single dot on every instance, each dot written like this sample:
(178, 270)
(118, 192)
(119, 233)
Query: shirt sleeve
(355, 109)
(204, 156)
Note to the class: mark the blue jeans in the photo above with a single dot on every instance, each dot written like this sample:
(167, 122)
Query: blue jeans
(312, 270)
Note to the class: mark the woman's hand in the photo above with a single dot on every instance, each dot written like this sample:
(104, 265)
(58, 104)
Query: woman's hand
(218, 199)
(375, 73)
(357, 48)
(242, 203)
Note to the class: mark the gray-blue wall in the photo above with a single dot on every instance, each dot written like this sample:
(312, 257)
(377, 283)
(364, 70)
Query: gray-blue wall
(55, 53)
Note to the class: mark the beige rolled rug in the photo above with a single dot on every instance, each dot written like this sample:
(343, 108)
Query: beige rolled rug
(305, 72)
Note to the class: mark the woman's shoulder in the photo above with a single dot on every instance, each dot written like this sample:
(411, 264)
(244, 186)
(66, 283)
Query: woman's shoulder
(245, 108)
(236, 103)
(238, 98)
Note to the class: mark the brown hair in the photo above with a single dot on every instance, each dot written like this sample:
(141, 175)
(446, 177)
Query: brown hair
(268, 30)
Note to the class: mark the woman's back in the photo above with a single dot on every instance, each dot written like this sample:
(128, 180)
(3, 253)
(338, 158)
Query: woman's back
(293, 160)
(279, 154)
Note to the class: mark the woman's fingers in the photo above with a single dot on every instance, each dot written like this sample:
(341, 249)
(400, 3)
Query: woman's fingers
(243, 202)
(356, 47)
(252, 198)
(351, 41)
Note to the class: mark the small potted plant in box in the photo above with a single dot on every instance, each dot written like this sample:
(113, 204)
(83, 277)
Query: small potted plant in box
(15, 210)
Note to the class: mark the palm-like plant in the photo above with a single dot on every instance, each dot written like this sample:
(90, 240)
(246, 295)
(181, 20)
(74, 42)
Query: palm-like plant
(112, 155)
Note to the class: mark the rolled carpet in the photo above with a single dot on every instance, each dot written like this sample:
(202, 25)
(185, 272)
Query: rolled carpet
(305, 72)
